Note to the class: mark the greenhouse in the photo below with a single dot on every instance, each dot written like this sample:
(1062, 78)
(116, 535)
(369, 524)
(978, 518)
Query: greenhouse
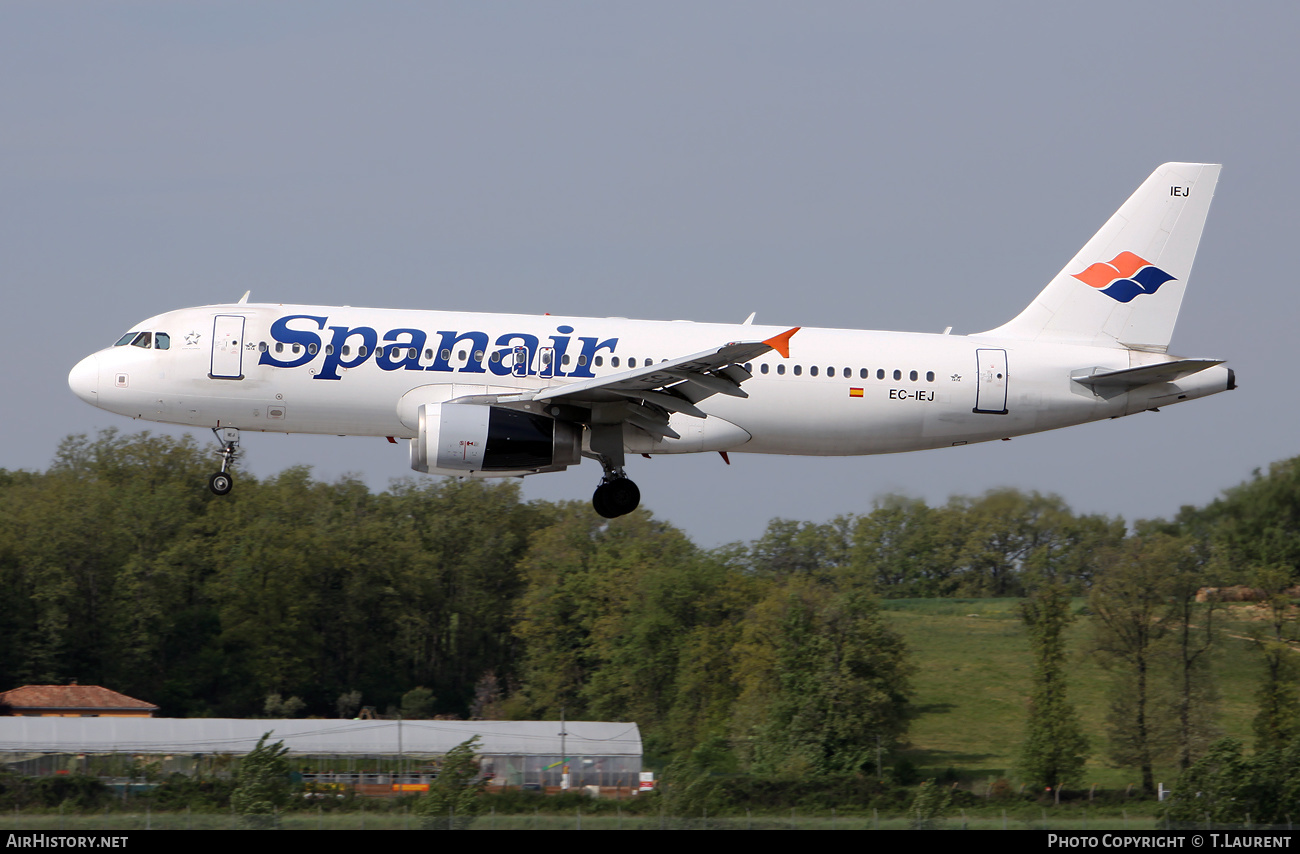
(373, 756)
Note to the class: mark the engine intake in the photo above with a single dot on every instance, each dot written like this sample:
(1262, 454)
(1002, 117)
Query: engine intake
(492, 441)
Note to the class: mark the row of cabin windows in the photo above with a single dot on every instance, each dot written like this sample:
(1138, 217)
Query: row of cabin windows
(863, 373)
(162, 341)
(445, 355)
(598, 361)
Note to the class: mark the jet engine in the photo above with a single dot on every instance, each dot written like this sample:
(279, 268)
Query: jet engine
(480, 440)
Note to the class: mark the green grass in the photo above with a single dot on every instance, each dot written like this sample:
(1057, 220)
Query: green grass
(972, 687)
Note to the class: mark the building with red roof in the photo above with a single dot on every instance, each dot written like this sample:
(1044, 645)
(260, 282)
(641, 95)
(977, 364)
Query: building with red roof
(72, 701)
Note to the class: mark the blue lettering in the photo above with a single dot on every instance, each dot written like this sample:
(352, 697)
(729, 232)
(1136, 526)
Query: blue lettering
(281, 332)
(500, 368)
(335, 360)
(561, 343)
(448, 344)
(406, 354)
(589, 350)
(402, 350)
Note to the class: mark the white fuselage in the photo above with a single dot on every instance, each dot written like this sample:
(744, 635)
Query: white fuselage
(276, 368)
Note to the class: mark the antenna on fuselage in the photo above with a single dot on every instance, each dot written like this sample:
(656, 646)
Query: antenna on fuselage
(750, 319)
(244, 299)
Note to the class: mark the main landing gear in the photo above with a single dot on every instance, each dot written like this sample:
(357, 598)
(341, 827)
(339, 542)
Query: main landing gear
(616, 496)
(222, 482)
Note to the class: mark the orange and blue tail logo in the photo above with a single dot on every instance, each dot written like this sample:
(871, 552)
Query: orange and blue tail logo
(1125, 277)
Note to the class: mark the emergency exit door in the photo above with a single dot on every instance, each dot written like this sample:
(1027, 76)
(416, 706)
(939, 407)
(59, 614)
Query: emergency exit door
(991, 382)
(227, 347)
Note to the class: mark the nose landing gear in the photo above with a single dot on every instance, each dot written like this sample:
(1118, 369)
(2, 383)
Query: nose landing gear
(222, 482)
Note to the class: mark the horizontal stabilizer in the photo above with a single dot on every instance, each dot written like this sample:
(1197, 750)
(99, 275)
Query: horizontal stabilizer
(1165, 372)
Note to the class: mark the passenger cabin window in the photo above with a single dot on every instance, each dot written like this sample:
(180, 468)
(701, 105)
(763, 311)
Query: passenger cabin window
(162, 341)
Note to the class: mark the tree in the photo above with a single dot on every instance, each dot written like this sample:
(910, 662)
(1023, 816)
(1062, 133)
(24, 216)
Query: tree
(841, 682)
(453, 801)
(928, 805)
(417, 704)
(263, 784)
(1055, 748)
(1277, 723)
(1225, 787)
(1132, 602)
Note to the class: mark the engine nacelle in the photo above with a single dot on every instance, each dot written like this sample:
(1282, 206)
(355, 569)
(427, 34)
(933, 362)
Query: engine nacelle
(478, 440)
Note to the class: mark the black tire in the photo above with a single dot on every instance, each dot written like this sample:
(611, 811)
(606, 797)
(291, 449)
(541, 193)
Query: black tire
(600, 501)
(221, 483)
(624, 496)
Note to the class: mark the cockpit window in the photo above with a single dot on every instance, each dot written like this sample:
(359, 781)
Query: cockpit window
(162, 341)
(144, 339)
(125, 339)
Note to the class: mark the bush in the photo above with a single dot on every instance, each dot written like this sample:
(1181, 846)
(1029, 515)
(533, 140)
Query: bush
(454, 798)
(263, 784)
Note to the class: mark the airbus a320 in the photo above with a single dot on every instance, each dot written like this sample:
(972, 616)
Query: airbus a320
(502, 395)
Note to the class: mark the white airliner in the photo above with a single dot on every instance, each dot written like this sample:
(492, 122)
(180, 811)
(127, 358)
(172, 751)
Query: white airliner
(498, 395)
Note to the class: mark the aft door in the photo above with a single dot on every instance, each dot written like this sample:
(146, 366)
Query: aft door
(227, 347)
(991, 388)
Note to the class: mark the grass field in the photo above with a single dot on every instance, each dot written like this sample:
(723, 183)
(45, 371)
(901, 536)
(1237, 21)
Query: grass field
(972, 686)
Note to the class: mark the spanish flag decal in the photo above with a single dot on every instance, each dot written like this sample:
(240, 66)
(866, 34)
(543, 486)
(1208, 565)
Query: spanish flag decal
(855, 392)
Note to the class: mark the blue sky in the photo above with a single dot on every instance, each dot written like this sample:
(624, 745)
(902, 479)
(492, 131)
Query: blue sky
(885, 166)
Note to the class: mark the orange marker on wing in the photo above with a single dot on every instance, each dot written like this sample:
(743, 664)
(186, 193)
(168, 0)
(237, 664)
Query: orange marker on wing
(781, 343)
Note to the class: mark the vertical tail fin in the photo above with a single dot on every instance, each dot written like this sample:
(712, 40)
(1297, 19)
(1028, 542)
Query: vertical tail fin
(1125, 287)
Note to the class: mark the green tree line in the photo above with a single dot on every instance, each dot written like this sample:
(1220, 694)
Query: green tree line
(459, 598)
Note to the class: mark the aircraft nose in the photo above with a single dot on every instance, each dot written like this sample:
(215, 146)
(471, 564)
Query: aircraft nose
(83, 379)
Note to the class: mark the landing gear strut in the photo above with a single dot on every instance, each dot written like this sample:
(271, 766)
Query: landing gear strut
(222, 482)
(617, 495)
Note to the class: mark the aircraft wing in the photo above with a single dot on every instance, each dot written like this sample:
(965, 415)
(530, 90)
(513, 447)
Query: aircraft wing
(675, 384)
(645, 397)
